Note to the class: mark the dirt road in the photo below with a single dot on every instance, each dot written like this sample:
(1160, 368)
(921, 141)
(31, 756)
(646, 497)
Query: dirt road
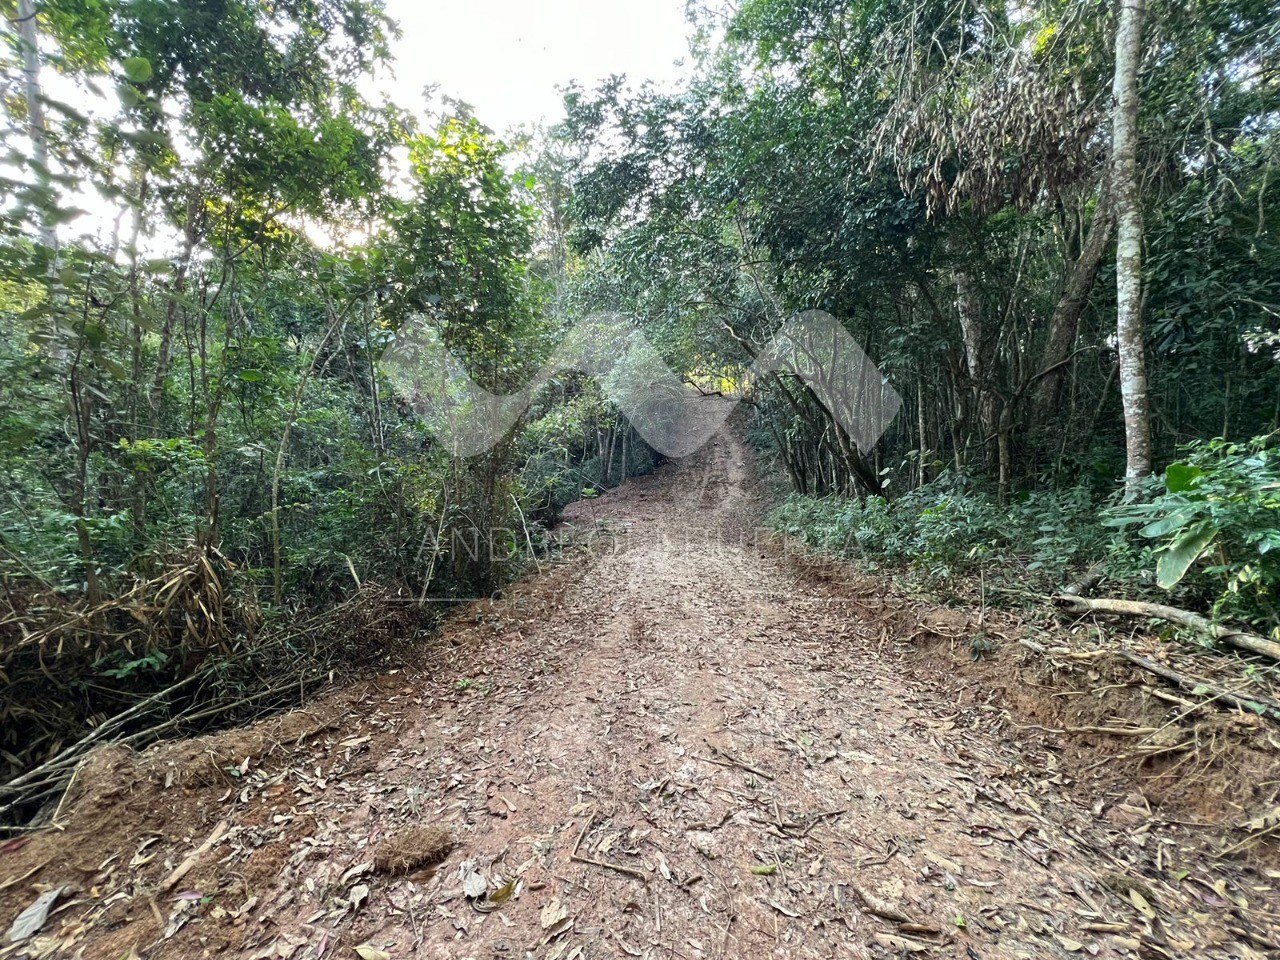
(680, 747)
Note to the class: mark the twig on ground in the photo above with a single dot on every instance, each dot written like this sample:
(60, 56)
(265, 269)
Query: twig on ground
(576, 857)
(1243, 701)
(180, 871)
(704, 825)
(26, 876)
(878, 907)
(730, 761)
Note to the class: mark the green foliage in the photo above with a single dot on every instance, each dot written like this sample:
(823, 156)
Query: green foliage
(1220, 505)
(577, 445)
(944, 530)
(204, 380)
(1212, 533)
(200, 446)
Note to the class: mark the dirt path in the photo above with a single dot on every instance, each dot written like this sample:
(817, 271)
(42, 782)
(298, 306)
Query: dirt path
(753, 770)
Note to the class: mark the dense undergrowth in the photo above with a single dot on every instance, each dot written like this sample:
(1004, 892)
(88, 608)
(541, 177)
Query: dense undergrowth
(1208, 538)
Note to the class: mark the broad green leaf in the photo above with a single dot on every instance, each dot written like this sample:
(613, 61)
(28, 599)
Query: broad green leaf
(137, 69)
(1176, 559)
(1175, 521)
(1181, 477)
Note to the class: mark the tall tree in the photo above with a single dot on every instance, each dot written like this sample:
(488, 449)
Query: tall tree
(30, 41)
(1128, 204)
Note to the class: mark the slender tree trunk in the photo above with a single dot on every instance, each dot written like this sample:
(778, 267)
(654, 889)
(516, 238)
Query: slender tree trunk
(35, 107)
(37, 131)
(337, 323)
(136, 395)
(1128, 204)
(922, 428)
(1004, 441)
(608, 457)
(984, 409)
(82, 410)
(1064, 324)
(164, 353)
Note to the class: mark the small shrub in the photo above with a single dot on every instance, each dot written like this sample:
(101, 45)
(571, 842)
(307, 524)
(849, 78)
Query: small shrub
(945, 529)
(1215, 529)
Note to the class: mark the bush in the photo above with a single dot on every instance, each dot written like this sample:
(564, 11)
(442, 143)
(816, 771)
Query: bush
(1209, 533)
(1216, 526)
(944, 529)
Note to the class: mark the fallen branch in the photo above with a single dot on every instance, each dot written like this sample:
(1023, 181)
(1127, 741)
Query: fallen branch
(879, 908)
(731, 761)
(1087, 581)
(219, 832)
(72, 754)
(638, 874)
(1115, 731)
(14, 881)
(1249, 642)
(1239, 700)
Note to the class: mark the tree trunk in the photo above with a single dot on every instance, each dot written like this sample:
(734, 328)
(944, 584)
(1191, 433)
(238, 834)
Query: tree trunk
(337, 323)
(1065, 321)
(1128, 204)
(29, 41)
(35, 108)
(922, 428)
(164, 353)
(984, 406)
(1240, 639)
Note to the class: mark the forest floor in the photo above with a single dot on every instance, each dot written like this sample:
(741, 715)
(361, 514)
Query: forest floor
(681, 743)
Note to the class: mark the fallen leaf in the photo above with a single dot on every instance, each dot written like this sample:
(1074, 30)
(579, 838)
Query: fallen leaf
(30, 920)
(474, 885)
(1139, 901)
(1269, 821)
(504, 892)
(628, 948)
(556, 929)
(368, 952)
(785, 911)
(902, 944)
(552, 913)
(939, 860)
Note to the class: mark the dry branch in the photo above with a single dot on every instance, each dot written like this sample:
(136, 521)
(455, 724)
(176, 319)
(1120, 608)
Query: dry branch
(1240, 700)
(219, 832)
(1248, 642)
(72, 754)
(577, 857)
(1087, 581)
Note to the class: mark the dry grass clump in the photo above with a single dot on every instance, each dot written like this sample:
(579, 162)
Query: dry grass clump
(412, 848)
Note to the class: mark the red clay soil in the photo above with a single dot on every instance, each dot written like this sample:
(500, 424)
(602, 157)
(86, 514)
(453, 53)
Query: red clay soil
(672, 744)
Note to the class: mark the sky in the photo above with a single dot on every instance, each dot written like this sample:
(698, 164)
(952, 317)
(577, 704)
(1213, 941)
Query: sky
(508, 57)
